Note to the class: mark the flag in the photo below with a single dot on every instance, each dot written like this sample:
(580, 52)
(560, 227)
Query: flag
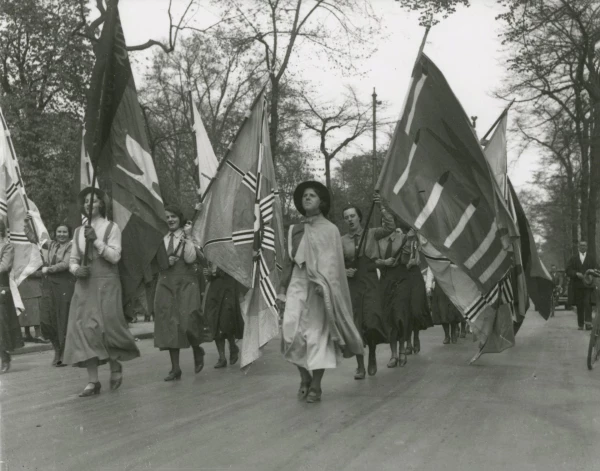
(115, 137)
(495, 152)
(206, 160)
(488, 313)
(82, 178)
(436, 178)
(13, 208)
(539, 282)
(240, 228)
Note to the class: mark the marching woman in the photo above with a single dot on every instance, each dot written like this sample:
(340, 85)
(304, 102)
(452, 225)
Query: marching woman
(57, 285)
(97, 331)
(10, 330)
(222, 309)
(442, 310)
(420, 315)
(314, 299)
(364, 283)
(396, 293)
(178, 321)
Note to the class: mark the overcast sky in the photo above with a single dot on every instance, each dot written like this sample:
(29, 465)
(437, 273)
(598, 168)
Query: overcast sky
(465, 47)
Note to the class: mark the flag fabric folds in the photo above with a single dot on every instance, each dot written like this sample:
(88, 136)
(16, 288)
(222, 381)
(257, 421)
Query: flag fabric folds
(118, 147)
(240, 228)
(539, 282)
(495, 152)
(206, 160)
(435, 177)
(13, 208)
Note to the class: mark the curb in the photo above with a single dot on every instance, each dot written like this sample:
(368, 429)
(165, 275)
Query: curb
(46, 347)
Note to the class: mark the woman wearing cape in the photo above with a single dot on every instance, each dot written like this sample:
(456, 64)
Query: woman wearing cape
(318, 328)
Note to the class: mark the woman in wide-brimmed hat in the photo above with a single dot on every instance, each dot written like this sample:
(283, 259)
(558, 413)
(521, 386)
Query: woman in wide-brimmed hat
(97, 331)
(178, 319)
(314, 299)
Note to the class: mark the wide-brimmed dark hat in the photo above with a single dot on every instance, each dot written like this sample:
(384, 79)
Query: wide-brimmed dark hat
(321, 190)
(98, 193)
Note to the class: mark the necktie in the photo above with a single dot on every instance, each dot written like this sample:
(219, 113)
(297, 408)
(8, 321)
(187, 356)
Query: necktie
(388, 250)
(171, 247)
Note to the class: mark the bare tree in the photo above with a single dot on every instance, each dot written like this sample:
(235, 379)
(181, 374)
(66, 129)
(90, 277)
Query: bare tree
(341, 31)
(337, 126)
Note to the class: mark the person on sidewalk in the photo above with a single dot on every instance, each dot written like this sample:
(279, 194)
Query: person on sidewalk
(314, 300)
(178, 321)
(580, 294)
(10, 330)
(222, 308)
(97, 332)
(364, 284)
(58, 285)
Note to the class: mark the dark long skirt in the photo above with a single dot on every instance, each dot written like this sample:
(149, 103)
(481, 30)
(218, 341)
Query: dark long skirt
(365, 294)
(10, 329)
(396, 298)
(178, 321)
(442, 309)
(223, 308)
(57, 292)
(416, 293)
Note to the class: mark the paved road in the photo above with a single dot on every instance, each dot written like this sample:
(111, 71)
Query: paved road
(534, 407)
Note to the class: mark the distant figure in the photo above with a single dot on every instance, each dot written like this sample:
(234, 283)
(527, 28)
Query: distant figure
(580, 293)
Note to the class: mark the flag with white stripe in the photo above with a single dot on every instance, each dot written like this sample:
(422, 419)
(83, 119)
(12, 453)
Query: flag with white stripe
(13, 209)
(240, 228)
(436, 178)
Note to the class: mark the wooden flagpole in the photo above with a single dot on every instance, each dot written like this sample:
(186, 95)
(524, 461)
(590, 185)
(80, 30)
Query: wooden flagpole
(366, 225)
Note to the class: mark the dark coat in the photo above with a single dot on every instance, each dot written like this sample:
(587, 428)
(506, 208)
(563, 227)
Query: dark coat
(575, 266)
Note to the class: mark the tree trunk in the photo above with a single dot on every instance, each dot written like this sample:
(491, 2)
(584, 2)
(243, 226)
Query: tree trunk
(595, 177)
(584, 192)
(328, 184)
(274, 124)
(572, 221)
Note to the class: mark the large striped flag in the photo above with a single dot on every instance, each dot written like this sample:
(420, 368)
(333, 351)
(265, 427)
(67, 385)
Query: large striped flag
(116, 140)
(539, 282)
(436, 178)
(14, 205)
(240, 227)
(495, 152)
(206, 160)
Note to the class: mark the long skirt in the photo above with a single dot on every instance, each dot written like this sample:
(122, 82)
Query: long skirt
(442, 309)
(10, 330)
(396, 298)
(222, 308)
(416, 293)
(178, 319)
(31, 295)
(57, 291)
(365, 293)
(305, 339)
(96, 326)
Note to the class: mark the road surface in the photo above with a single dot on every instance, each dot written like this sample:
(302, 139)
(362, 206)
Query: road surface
(533, 407)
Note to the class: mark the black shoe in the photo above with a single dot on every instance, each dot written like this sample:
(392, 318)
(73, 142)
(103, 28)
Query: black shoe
(116, 378)
(5, 363)
(91, 391)
(234, 354)
(198, 359)
(173, 375)
(360, 373)
(221, 363)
